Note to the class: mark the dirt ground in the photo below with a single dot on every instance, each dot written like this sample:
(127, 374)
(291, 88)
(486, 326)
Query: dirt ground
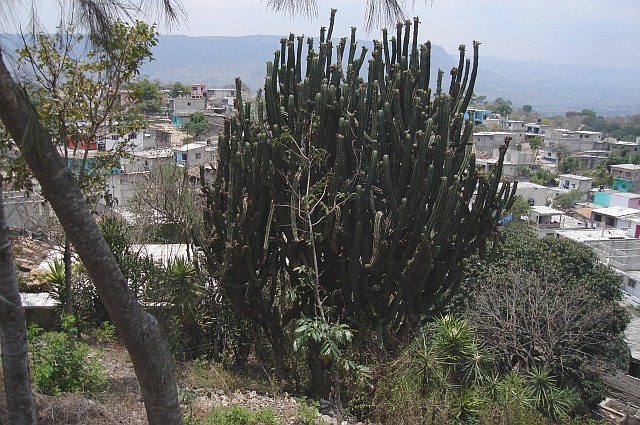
(201, 387)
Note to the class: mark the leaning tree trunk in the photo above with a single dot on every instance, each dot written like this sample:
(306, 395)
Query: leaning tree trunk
(13, 335)
(140, 332)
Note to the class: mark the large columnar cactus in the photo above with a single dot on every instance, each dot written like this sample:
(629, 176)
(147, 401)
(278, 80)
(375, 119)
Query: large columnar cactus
(379, 173)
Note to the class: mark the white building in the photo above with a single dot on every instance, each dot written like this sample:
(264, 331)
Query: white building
(192, 154)
(575, 182)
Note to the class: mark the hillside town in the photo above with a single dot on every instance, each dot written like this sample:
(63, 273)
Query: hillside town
(366, 240)
(606, 217)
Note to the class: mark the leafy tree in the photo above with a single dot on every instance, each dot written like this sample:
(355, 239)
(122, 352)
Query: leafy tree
(527, 108)
(544, 177)
(349, 181)
(536, 143)
(146, 95)
(197, 125)
(520, 207)
(139, 331)
(563, 305)
(178, 89)
(569, 164)
(568, 200)
(74, 94)
(524, 171)
(478, 100)
(501, 106)
(562, 151)
(601, 175)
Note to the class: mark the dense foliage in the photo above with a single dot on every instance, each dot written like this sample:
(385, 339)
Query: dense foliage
(549, 303)
(60, 362)
(197, 125)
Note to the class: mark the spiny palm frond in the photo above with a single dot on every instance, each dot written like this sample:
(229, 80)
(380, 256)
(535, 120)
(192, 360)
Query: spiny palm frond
(378, 13)
(94, 16)
(295, 7)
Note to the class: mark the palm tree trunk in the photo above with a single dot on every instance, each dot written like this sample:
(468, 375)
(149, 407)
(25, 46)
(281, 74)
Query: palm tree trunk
(13, 335)
(140, 331)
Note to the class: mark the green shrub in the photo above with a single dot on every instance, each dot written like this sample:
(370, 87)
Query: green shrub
(61, 363)
(240, 415)
(308, 412)
(106, 331)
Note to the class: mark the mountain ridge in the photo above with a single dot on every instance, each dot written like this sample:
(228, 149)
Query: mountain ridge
(549, 88)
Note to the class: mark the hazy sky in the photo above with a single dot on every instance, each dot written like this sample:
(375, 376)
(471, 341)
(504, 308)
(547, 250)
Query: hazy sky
(596, 32)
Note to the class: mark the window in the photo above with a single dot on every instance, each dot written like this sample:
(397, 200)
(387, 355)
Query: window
(198, 155)
(631, 283)
(184, 156)
(188, 103)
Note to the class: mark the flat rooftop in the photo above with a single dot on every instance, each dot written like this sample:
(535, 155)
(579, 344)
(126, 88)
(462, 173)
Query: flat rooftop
(593, 235)
(616, 211)
(628, 167)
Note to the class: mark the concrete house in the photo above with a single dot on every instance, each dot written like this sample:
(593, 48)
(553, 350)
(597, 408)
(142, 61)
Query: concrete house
(614, 248)
(191, 154)
(610, 144)
(487, 141)
(478, 116)
(198, 90)
(24, 211)
(631, 282)
(545, 219)
(535, 194)
(148, 159)
(627, 177)
(156, 138)
(591, 158)
(575, 141)
(533, 129)
(618, 217)
(124, 186)
(573, 181)
(514, 126)
(180, 108)
(611, 198)
(514, 161)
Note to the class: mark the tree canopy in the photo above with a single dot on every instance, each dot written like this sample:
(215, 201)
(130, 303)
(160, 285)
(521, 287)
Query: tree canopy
(564, 304)
(146, 95)
(179, 89)
(197, 125)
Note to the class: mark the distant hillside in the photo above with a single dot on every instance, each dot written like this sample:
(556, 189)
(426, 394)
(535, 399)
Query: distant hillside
(549, 88)
(555, 89)
(216, 61)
